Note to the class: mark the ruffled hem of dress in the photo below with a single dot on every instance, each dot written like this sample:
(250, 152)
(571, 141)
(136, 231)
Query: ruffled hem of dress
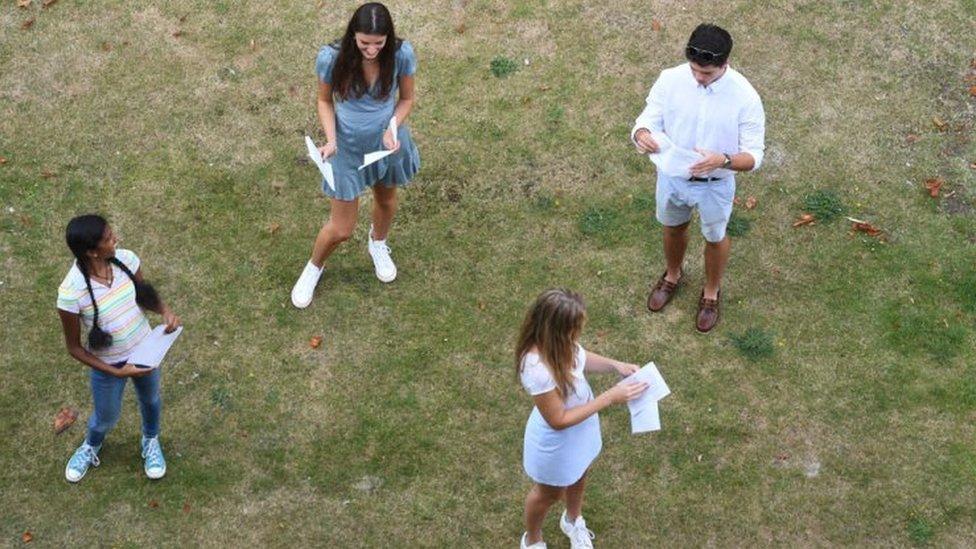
(401, 173)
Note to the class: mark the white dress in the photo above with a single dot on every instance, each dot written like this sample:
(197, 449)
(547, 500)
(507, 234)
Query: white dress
(551, 457)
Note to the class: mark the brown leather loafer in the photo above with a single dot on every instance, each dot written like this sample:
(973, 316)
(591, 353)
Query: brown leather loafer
(662, 292)
(708, 313)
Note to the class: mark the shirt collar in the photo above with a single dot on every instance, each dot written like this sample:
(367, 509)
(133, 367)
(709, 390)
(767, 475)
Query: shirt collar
(715, 86)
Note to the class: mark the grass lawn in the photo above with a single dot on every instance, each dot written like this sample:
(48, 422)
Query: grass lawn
(834, 405)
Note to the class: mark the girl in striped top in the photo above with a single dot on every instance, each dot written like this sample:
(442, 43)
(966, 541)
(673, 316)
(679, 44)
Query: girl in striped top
(104, 291)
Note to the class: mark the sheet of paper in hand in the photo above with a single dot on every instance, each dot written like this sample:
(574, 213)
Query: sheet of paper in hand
(324, 166)
(372, 157)
(153, 348)
(643, 409)
(671, 159)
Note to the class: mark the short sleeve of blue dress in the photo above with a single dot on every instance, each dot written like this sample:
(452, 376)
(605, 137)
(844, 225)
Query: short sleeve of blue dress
(360, 123)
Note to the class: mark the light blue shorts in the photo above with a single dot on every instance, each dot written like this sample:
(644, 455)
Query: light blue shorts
(677, 197)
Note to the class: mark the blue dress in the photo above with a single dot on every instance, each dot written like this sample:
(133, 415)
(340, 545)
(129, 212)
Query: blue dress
(360, 124)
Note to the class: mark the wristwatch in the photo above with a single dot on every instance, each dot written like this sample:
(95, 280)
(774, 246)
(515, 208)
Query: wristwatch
(728, 161)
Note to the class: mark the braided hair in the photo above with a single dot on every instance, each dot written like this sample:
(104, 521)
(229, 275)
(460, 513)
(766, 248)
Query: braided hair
(83, 234)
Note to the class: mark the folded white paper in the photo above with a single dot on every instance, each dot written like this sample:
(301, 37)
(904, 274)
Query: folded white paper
(671, 159)
(151, 350)
(323, 166)
(643, 409)
(372, 157)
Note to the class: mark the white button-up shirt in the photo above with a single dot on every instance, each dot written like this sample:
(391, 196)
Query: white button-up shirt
(726, 116)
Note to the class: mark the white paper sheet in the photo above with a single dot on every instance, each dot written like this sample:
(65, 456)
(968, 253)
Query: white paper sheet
(646, 420)
(643, 409)
(372, 157)
(671, 159)
(323, 166)
(150, 352)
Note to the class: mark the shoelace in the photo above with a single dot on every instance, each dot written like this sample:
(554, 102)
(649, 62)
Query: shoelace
(384, 253)
(86, 454)
(153, 453)
(582, 535)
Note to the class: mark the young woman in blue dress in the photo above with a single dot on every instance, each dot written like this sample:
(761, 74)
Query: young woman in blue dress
(365, 80)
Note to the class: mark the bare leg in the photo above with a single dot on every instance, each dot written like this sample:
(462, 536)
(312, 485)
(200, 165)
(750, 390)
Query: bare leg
(537, 504)
(574, 499)
(675, 244)
(338, 229)
(716, 258)
(384, 206)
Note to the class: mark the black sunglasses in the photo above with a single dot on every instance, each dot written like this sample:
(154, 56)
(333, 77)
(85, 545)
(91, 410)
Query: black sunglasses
(704, 55)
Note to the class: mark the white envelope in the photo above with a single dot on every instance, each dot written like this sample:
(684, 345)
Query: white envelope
(324, 166)
(643, 409)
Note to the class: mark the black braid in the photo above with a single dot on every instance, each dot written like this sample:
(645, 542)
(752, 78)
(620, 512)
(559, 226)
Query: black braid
(97, 337)
(146, 295)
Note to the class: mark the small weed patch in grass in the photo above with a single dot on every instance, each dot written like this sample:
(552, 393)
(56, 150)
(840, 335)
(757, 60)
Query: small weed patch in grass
(738, 225)
(919, 530)
(754, 343)
(220, 396)
(502, 66)
(644, 203)
(597, 221)
(922, 329)
(966, 291)
(555, 115)
(824, 204)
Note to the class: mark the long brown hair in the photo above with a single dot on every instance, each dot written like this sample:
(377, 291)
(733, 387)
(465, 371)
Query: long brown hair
(347, 74)
(553, 325)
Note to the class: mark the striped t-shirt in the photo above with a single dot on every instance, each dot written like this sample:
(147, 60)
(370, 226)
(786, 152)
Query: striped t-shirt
(118, 313)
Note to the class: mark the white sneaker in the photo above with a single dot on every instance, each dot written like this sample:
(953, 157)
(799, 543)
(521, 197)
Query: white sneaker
(536, 545)
(382, 262)
(301, 294)
(580, 537)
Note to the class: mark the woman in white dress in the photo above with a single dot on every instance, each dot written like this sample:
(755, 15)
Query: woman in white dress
(562, 435)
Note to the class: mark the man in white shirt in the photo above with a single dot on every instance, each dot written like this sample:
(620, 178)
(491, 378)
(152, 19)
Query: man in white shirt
(707, 106)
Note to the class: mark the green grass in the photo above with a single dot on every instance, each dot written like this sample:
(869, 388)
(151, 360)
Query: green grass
(406, 423)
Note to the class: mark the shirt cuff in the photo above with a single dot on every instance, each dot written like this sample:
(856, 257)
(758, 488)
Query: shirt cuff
(757, 158)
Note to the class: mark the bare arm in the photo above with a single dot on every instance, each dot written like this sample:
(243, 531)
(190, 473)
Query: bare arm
(405, 103)
(553, 410)
(602, 364)
(71, 326)
(326, 110)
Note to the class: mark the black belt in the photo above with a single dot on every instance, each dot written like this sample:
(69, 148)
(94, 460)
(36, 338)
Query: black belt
(705, 179)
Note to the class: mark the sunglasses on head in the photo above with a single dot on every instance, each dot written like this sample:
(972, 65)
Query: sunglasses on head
(704, 55)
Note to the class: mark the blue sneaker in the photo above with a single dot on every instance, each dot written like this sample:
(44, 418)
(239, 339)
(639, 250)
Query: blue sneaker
(152, 452)
(83, 457)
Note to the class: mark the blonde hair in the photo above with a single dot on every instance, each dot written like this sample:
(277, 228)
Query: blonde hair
(553, 325)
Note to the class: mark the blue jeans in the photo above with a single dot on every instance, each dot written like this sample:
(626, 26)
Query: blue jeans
(107, 395)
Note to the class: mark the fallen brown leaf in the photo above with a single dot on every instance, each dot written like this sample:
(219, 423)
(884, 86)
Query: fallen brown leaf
(737, 201)
(177, 33)
(48, 3)
(805, 219)
(911, 139)
(315, 342)
(182, 19)
(48, 174)
(460, 28)
(972, 91)
(27, 537)
(23, 3)
(153, 504)
(751, 202)
(933, 185)
(859, 226)
(972, 165)
(64, 418)
(26, 221)
(274, 228)
(186, 508)
(27, 24)
(106, 46)
(940, 124)
(2, 161)
(254, 45)
(293, 91)
(655, 25)
(481, 305)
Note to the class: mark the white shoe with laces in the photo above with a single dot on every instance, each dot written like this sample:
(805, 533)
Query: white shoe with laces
(580, 537)
(536, 545)
(386, 271)
(301, 294)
